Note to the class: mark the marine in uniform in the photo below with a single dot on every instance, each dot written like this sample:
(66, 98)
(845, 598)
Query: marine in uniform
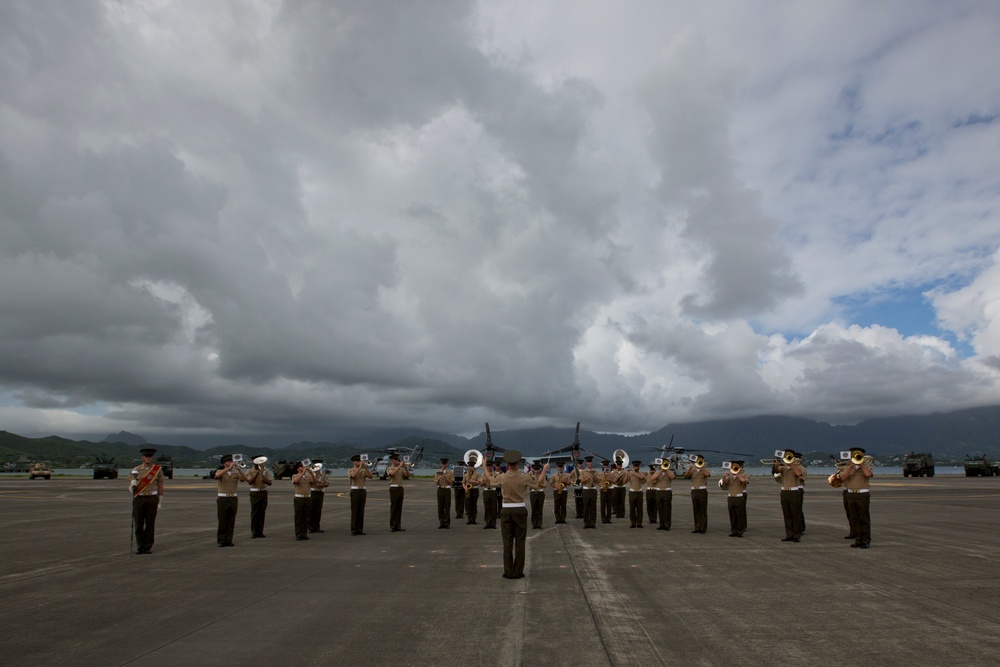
(607, 492)
(699, 495)
(589, 480)
(443, 479)
(662, 481)
(146, 482)
(790, 476)
(459, 498)
(318, 493)
(856, 478)
(358, 475)
(471, 480)
(635, 479)
(537, 500)
(618, 478)
(491, 500)
(227, 479)
(560, 483)
(514, 517)
(396, 473)
(735, 481)
(259, 478)
(302, 482)
(651, 495)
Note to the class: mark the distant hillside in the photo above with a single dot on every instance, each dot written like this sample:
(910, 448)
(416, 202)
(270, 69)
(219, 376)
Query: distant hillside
(125, 437)
(949, 436)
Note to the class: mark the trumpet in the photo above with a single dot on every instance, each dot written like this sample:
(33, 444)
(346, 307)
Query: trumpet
(316, 467)
(238, 460)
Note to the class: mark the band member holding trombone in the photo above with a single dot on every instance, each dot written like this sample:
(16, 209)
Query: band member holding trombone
(661, 480)
(358, 475)
(396, 473)
(560, 483)
(589, 480)
(635, 478)
(514, 517)
(735, 481)
(443, 479)
(302, 482)
(537, 499)
(147, 489)
(791, 474)
(699, 473)
(318, 491)
(259, 478)
(856, 478)
(228, 478)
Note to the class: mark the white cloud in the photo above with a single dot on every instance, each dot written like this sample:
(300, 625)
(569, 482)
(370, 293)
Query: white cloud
(298, 216)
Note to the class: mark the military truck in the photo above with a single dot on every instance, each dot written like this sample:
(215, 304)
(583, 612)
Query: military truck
(166, 463)
(105, 469)
(283, 469)
(980, 466)
(918, 465)
(40, 470)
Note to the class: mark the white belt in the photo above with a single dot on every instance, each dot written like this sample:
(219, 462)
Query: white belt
(151, 493)
(506, 505)
(589, 488)
(393, 486)
(698, 488)
(665, 490)
(253, 490)
(735, 495)
(635, 490)
(227, 495)
(793, 488)
(301, 495)
(319, 490)
(357, 488)
(537, 490)
(857, 490)
(800, 488)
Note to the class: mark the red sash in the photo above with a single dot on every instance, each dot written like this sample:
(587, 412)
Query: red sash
(146, 480)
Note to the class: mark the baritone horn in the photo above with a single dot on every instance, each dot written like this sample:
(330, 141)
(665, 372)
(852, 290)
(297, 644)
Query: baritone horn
(788, 457)
(697, 460)
(735, 468)
(620, 455)
(664, 463)
(473, 458)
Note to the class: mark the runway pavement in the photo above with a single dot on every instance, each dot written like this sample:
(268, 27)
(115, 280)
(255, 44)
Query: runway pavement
(74, 594)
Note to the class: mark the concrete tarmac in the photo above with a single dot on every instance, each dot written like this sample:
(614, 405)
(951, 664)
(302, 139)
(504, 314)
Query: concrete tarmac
(74, 593)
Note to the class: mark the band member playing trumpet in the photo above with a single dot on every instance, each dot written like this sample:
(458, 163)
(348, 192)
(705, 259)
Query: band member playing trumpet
(537, 500)
(471, 480)
(791, 473)
(146, 482)
(699, 473)
(662, 480)
(490, 498)
(259, 478)
(514, 517)
(396, 473)
(443, 479)
(302, 482)
(589, 480)
(228, 478)
(607, 492)
(318, 491)
(635, 478)
(560, 483)
(358, 475)
(856, 478)
(735, 481)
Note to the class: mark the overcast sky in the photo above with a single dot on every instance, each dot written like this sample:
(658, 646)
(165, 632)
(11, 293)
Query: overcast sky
(266, 217)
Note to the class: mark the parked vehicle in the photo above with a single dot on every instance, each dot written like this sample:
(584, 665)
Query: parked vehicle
(167, 464)
(980, 466)
(105, 469)
(918, 465)
(40, 470)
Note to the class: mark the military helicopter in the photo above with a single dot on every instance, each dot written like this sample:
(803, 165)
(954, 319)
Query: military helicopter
(382, 462)
(677, 460)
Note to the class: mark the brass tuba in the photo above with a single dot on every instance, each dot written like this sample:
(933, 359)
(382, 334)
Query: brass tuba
(473, 458)
(620, 455)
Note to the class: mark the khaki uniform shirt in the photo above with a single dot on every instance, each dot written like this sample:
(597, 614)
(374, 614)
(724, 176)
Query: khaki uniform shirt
(444, 478)
(618, 476)
(563, 478)
(635, 480)
(699, 477)
(737, 483)
(302, 487)
(589, 478)
(514, 484)
(663, 480)
(140, 471)
(857, 480)
(398, 477)
(259, 478)
(322, 481)
(228, 480)
(359, 475)
(791, 476)
(472, 477)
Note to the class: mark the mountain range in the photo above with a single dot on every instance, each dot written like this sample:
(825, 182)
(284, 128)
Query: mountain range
(948, 436)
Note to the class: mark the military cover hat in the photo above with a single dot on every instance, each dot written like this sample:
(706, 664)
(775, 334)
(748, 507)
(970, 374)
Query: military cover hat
(636, 464)
(394, 456)
(356, 457)
(226, 458)
(512, 456)
(147, 451)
